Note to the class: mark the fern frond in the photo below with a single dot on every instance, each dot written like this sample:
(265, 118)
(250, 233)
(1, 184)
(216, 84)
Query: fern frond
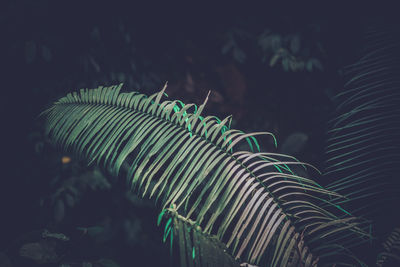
(362, 152)
(251, 201)
(391, 254)
(196, 248)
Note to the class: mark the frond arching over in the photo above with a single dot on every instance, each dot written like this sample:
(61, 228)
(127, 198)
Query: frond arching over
(251, 201)
(362, 151)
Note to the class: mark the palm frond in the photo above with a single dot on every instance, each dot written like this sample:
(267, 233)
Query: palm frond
(250, 201)
(362, 151)
(391, 254)
(196, 248)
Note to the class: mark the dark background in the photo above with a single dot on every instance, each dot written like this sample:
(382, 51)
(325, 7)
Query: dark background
(275, 68)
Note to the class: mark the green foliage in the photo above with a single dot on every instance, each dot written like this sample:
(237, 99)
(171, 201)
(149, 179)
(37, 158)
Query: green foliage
(391, 254)
(196, 248)
(291, 52)
(250, 201)
(362, 151)
(288, 51)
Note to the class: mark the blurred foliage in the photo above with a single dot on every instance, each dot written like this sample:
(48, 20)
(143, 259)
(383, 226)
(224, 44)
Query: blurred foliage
(294, 52)
(297, 51)
(84, 218)
(250, 61)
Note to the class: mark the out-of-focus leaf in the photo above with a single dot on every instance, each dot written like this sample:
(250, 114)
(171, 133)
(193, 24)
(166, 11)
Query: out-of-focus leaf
(275, 41)
(300, 65)
(132, 229)
(121, 77)
(40, 253)
(239, 55)
(274, 59)
(309, 65)
(285, 64)
(295, 44)
(293, 64)
(92, 231)
(59, 236)
(97, 181)
(69, 200)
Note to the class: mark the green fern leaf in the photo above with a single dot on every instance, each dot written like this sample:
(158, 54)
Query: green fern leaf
(362, 151)
(250, 201)
(391, 254)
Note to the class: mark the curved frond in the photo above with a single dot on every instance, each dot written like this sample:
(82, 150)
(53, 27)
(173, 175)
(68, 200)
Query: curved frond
(391, 254)
(196, 248)
(251, 201)
(363, 147)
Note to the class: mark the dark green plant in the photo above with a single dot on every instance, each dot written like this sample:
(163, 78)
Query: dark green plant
(290, 51)
(362, 152)
(391, 254)
(287, 51)
(222, 206)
